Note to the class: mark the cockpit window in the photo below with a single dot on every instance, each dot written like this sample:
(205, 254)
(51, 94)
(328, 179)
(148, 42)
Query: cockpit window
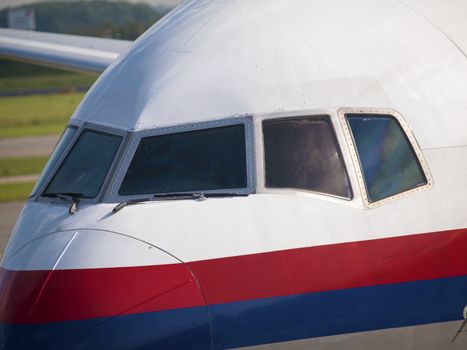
(200, 160)
(85, 167)
(303, 153)
(387, 159)
(62, 144)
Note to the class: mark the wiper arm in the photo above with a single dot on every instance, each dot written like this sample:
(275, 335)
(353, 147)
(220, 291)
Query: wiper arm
(179, 196)
(64, 195)
(75, 199)
(196, 195)
(159, 197)
(200, 196)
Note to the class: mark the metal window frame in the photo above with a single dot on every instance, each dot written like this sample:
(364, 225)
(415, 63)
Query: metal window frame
(72, 124)
(255, 157)
(343, 112)
(113, 196)
(327, 117)
(52, 170)
(354, 201)
(82, 127)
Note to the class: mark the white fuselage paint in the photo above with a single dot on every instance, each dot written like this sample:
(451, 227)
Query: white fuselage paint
(214, 59)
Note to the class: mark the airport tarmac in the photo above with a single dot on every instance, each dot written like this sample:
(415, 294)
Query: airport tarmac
(20, 147)
(9, 212)
(27, 146)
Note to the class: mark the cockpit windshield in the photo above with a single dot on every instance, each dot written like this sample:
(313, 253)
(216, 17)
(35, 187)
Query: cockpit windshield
(200, 160)
(62, 144)
(303, 153)
(84, 169)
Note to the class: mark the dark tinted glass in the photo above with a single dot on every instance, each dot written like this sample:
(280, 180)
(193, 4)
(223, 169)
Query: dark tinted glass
(84, 169)
(65, 139)
(303, 153)
(387, 159)
(201, 160)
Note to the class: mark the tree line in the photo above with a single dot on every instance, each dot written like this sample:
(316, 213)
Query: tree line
(118, 20)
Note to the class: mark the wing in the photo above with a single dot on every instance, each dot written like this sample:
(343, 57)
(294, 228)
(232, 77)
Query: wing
(69, 52)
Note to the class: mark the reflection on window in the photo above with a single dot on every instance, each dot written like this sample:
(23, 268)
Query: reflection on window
(201, 160)
(387, 159)
(85, 167)
(303, 153)
(65, 139)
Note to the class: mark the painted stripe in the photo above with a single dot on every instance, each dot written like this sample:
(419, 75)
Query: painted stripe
(312, 315)
(255, 322)
(333, 267)
(91, 293)
(51, 296)
(176, 329)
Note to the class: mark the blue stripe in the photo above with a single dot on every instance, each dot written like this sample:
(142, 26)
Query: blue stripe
(344, 311)
(175, 329)
(255, 322)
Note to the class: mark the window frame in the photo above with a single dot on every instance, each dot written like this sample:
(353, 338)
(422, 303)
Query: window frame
(342, 113)
(37, 196)
(82, 127)
(60, 158)
(115, 197)
(353, 202)
(336, 141)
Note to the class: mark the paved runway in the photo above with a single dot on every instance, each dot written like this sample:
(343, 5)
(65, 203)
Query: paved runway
(19, 147)
(17, 179)
(8, 213)
(27, 146)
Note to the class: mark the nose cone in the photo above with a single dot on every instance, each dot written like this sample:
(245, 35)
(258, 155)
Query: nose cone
(97, 289)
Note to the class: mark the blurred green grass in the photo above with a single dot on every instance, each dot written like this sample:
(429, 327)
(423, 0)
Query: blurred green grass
(15, 191)
(43, 114)
(21, 165)
(63, 81)
(36, 114)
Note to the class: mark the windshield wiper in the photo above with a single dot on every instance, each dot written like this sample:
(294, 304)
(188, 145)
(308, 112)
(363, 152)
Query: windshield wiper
(73, 196)
(160, 197)
(200, 196)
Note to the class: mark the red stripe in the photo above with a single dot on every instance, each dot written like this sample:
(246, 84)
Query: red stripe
(332, 267)
(90, 293)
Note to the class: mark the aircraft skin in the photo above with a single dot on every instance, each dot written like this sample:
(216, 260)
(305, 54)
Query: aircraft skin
(277, 268)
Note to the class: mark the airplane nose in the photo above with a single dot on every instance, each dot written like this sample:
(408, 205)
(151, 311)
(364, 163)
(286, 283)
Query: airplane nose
(97, 289)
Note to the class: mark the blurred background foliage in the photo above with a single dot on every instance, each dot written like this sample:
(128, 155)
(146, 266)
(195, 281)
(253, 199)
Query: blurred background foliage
(118, 20)
(35, 100)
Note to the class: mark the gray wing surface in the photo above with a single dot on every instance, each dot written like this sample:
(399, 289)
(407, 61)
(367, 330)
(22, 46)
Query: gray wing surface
(70, 52)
